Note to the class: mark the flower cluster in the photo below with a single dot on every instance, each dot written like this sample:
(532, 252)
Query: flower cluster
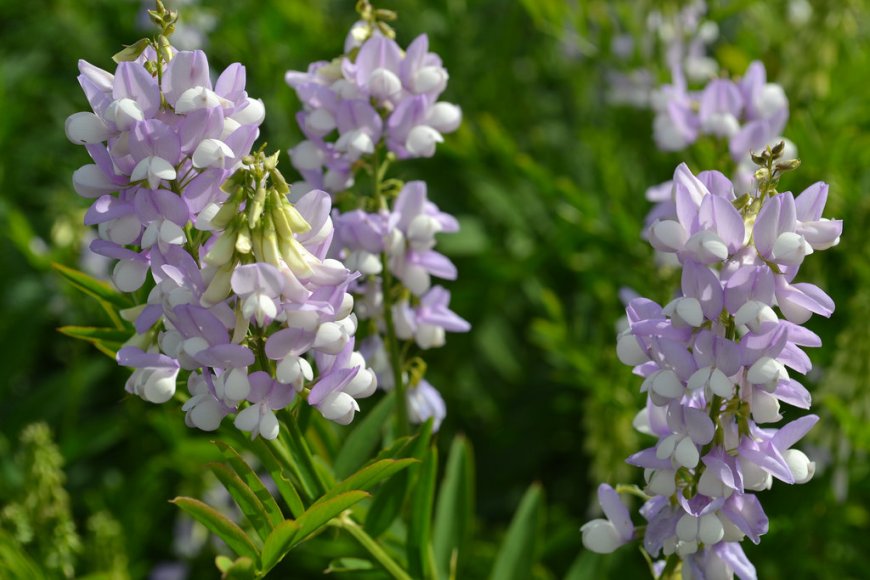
(402, 241)
(364, 110)
(374, 93)
(716, 364)
(240, 288)
(749, 113)
(683, 36)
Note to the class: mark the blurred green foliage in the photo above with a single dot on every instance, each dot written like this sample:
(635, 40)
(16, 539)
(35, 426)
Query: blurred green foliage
(547, 180)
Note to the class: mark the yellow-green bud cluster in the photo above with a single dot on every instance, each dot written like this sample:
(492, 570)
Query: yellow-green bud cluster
(263, 231)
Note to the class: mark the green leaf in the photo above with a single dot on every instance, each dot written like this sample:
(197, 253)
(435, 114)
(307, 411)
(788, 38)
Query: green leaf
(348, 565)
(290, 533)
(244, 471)
(419, 543)
(371, 475)
(390, 498)
(387, 504)
(97, 288)
(364, 439)
(455, 507)
(131, 52)
(280, 472)
(95, 334)
(325, 509)
(279, 542)
(247, 501)
(516, 556)
(232, 535)
(300, 458)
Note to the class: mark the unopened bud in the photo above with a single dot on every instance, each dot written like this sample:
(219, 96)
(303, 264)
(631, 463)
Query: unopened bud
(759, 158)
(789, 165)
(777, 150)
(255, 209)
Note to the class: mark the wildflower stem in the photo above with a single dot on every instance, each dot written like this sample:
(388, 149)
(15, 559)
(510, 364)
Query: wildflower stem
(366, 541)
(392, 341)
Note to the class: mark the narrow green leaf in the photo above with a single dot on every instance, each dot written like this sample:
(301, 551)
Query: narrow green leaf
(455, 507)
(324, 472)
(281, 475)
(348, 565)
(364, 439)
(245, 498)
(131, 52)
(278, 544)
(325, 509)
(96, 334)
(371, 475)
(517, 554)
(418, 546)
(390, 498)
(386, 505)
(401, 447)
(244, 471)
(289, 435)
(293, 532)
(232, 535)
(93, 287)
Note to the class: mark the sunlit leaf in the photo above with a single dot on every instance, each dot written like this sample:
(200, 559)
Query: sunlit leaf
(217, 523)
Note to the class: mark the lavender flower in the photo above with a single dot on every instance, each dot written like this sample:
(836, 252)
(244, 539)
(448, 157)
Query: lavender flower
(241, 294)
(363, 111)
(374, 93)
(716, 364)
(749, 113)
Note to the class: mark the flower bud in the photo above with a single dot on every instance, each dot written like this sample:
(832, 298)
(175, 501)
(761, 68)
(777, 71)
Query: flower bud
(629, 350)
(153, 170)
(320, 122)
(662, 483)
(252, 113)
(221, 251)
(444, 117)
(85, 128)
(422, 140)
(339, 407)
(707, 247)
(686, 453)
(710, 529)
(687, 528)
(383, 84)
(429, 79)
(667, 384)
(307, 156)
(800, 465)
(90, 181)
(765, 407)
(212, 153)
(667, 236)
(330, 338)
(124, 113)
(129, 275)
(601, 536)
(790, 248)
(198, 98)
(767, 372)
(236, 385)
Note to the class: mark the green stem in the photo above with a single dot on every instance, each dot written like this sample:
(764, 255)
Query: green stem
(371, 546)
(392, 345)
(391, 340)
